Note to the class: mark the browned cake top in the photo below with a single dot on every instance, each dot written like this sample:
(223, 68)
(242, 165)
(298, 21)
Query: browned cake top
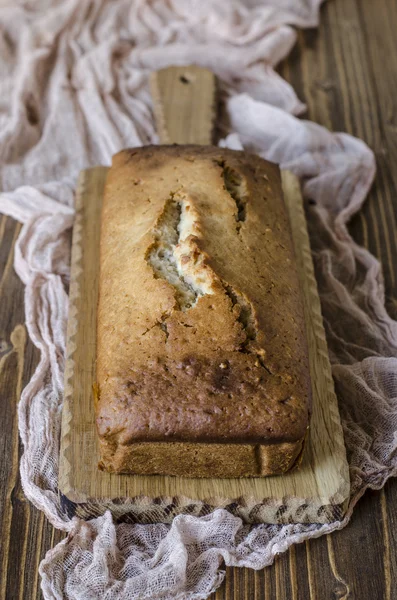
(201, 331)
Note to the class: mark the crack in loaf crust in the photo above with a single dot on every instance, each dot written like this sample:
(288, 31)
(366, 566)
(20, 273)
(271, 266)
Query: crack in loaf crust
(202, 363)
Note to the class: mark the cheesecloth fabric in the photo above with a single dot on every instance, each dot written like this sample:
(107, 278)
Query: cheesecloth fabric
(73, 92)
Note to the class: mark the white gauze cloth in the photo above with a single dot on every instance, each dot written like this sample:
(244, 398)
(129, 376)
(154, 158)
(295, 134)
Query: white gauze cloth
(73, 92)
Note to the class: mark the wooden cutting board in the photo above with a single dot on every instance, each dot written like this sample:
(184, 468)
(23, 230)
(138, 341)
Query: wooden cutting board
(316, 493)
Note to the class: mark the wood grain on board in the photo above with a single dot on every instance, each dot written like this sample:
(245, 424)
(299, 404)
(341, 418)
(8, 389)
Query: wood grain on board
(316, 492)
(184, 104)
(346, 72)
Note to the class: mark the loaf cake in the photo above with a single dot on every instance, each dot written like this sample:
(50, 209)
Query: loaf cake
(202, 361)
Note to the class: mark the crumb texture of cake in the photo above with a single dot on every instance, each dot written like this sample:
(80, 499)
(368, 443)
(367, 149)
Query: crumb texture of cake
(202, 360)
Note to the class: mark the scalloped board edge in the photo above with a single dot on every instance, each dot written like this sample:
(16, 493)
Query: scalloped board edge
(317, 492)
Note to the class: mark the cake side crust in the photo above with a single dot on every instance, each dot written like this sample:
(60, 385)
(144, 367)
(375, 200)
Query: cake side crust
(203, 460)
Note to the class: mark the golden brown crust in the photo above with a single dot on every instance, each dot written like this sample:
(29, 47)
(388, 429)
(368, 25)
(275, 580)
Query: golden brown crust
(212, 353)
(204, 460)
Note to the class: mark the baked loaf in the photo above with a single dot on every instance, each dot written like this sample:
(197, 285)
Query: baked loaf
(202, 361)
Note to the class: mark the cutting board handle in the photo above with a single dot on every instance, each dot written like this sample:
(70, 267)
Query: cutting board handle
(184, 104)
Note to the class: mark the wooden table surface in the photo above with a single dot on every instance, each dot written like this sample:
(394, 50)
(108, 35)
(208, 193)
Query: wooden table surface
(346, 72)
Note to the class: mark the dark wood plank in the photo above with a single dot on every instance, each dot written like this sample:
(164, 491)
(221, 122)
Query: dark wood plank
(357, 555)
(26, 534)
(358, 96)
(346, 72)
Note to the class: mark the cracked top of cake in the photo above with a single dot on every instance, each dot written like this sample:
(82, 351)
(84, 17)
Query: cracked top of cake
(201, 334)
